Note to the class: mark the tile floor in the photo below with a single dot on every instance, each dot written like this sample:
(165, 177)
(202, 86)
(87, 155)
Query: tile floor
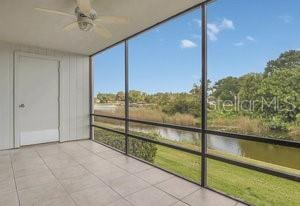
(85, 173)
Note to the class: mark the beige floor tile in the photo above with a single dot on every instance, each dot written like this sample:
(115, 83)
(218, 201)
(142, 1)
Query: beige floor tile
(154, 175)
(179, 203)
(95, 196)
(56, 201)
(5, 170)
(88, 158)
(55, 156)
(178, 187)
(94, 166)
(9, 199)
(109, 174)
(129, 184)
(4, 159)
(36, 169)
(108, 154)
(82, 153)
(54, 163)
(34, 180)
(7, 184)
(24, 154)
(69, 172)
(120, 202)
(130, 164)
(208, 198)
(79, 183)
(50, 174)
(40, 194)
(151, 196)
(27, 163)
(94, 147)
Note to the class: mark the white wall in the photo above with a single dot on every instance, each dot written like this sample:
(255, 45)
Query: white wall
(74, 93)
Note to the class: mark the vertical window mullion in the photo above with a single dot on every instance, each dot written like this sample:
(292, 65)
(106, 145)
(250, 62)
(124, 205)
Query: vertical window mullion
(204, 97)
(126, 98)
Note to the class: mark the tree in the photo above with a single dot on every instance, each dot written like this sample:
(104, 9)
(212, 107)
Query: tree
(283, 88)
(120, 96)
(226, 89)
(249, 84)
(287, 60)
(137, 96)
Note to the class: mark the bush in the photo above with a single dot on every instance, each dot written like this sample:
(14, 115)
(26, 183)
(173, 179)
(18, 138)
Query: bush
(140, 149)
(110, 138)
(298, 119)
(276, 123)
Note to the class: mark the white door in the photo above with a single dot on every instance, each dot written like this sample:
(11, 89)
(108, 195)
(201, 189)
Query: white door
(36, 99)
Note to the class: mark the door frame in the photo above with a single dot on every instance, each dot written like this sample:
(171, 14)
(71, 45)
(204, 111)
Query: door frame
(17, 55)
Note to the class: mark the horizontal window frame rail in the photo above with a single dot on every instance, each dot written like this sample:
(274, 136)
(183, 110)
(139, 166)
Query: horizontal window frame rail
(211, 156)
(158, 124)
(108, 129)
(257, 168)
(253, 138)
(172, 146)
(109, 117)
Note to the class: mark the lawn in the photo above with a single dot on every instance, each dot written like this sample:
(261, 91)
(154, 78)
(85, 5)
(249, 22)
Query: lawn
(253, 187)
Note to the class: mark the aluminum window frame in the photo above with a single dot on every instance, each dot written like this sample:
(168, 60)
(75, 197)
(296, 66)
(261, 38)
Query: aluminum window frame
(202, 7)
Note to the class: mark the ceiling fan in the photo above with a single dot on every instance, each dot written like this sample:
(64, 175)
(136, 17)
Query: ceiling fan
(86, 19)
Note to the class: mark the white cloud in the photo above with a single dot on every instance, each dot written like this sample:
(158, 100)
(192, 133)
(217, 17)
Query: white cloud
(213, 29)
(286, 19)
(244, 41)
(198, 21)
(250, 38)
(226, 24)
(186, 43)
(239, 43)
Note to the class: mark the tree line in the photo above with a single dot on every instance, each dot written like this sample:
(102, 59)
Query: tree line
(273, 95)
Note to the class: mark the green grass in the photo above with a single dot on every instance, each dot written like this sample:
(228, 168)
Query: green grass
(181, 163)
(253, 187)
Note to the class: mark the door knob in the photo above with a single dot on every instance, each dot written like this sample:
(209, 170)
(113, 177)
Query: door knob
(22, 105)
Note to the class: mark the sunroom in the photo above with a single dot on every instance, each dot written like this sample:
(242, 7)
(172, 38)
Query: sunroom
(107, 102)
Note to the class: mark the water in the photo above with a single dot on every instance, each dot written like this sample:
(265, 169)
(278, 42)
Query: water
(279, 155)
(105, 107)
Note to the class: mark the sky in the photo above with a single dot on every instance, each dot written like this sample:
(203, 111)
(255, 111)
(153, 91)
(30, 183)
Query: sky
(243, 35)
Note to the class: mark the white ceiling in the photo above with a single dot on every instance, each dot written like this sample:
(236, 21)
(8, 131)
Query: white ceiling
(20, 23)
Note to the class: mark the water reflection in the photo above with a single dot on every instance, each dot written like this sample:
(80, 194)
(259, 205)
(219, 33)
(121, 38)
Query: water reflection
(280, 155)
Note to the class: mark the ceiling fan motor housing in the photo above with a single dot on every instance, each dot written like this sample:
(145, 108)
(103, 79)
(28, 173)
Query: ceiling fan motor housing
(85, 22)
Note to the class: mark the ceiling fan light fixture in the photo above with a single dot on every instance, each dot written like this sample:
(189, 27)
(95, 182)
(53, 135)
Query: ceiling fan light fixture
(85, 24)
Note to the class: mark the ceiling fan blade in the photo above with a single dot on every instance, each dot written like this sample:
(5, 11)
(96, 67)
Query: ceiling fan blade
(54, 12)
(71, 26)
(103, 31)
(112, 20)
(84, 6)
